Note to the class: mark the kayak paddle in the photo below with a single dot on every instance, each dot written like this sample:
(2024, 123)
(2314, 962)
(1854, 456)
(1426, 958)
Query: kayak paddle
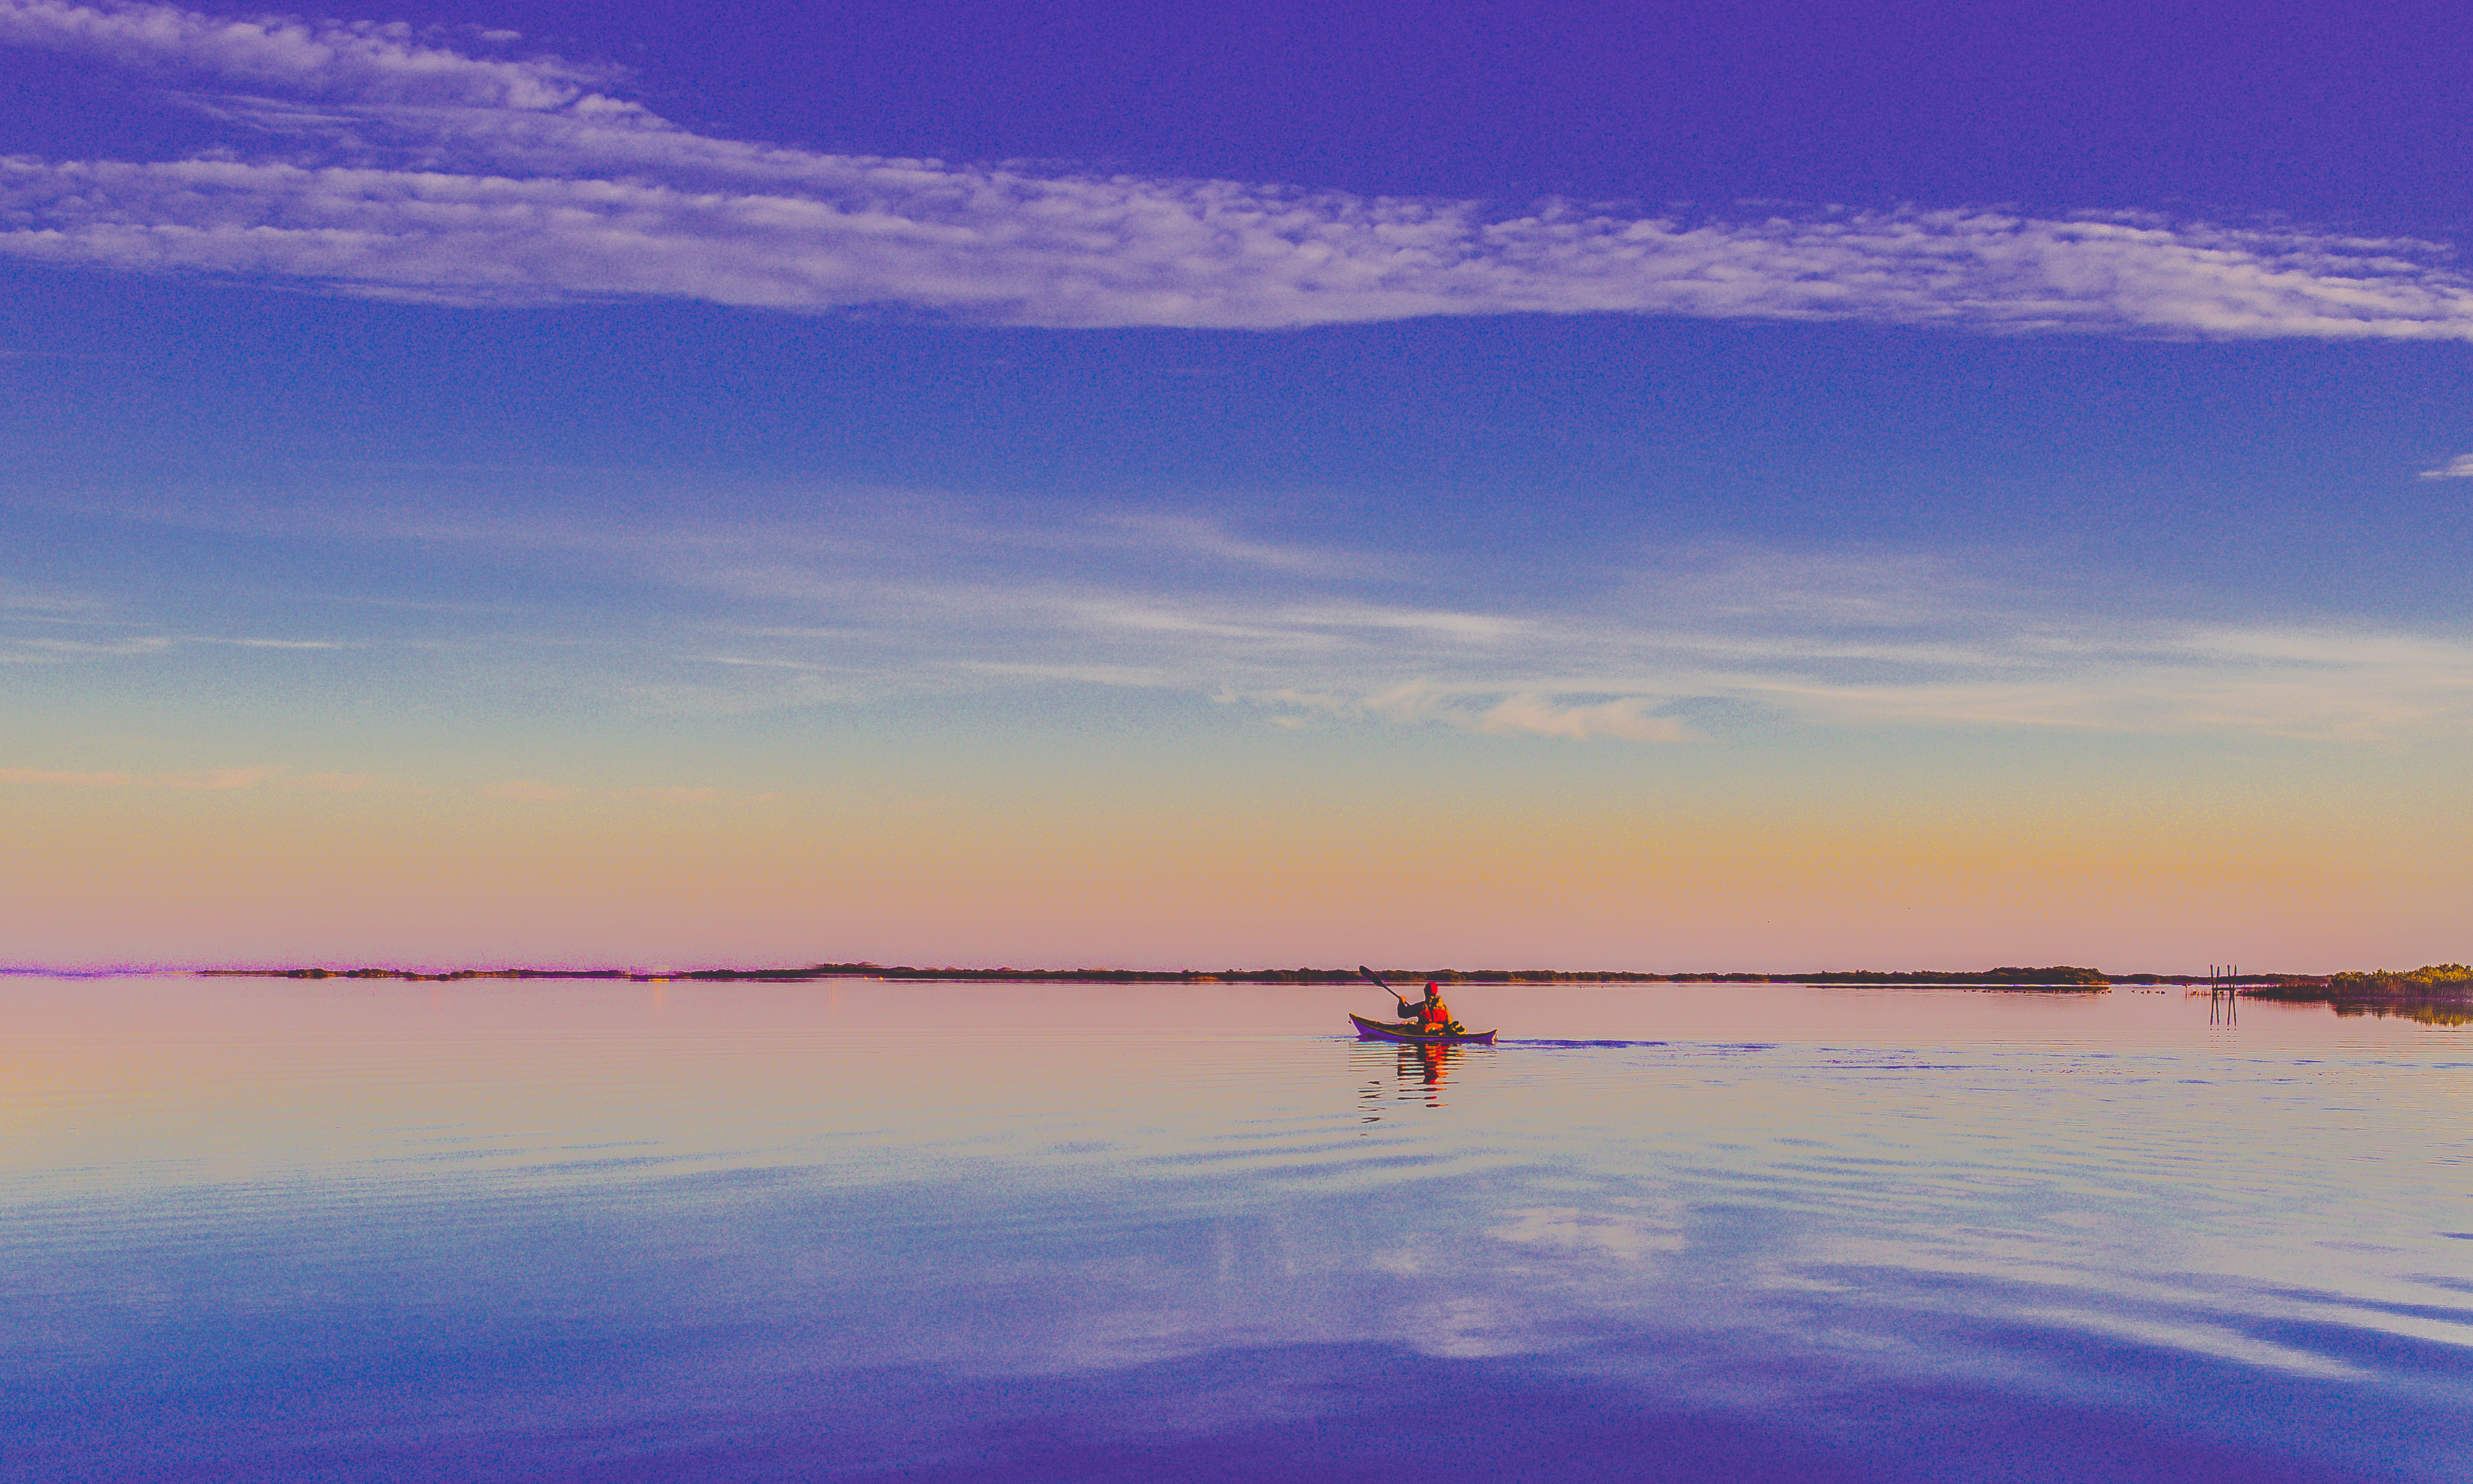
(1395, 994)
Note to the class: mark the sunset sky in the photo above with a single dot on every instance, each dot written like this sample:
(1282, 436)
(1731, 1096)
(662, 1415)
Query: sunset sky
(1655, 487)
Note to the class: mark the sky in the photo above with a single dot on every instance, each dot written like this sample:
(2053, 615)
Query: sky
(1649, 487)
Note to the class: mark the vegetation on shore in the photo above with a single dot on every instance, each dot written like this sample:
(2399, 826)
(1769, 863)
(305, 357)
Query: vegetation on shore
(2433, 995)
(2431, 981)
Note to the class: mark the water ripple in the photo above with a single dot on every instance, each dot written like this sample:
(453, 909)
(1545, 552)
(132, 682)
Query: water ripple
(773, 1232)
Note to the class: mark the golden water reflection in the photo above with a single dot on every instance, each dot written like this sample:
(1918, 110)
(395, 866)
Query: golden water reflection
(2424, 1012)
(1407, 1073)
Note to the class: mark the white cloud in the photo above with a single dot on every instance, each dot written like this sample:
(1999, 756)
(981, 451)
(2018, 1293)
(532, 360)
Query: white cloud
(410, 167)
(363, 61)
(2459, 467)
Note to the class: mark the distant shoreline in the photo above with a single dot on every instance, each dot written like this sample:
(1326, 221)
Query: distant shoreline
(2445, 989)
(2055, 978)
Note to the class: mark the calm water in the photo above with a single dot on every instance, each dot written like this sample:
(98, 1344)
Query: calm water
(371, 1232)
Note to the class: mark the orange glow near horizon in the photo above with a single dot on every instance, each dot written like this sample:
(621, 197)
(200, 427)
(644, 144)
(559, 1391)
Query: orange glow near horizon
(106, 877)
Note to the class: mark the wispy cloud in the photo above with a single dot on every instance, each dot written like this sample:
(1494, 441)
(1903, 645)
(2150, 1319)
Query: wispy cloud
(44, 649)
(38, 627)
(2459, 467)
(363, 61)
(199, 779)
(1627, 718)
(2333, 685)
(277, 643)
(376, 160)
(1213, 540)
(935, 600)
(1832, 639)
(19, 650)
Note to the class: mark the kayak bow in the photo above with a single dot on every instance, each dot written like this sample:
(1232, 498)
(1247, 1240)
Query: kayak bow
(1384, 1030)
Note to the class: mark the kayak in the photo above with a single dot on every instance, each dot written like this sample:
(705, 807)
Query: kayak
(1394, 1030)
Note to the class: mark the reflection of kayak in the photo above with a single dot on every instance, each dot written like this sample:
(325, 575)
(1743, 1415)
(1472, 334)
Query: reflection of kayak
(1393, 1030)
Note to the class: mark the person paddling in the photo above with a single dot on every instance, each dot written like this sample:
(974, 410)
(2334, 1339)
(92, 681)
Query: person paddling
(1419, 1019)
(1433, 1017)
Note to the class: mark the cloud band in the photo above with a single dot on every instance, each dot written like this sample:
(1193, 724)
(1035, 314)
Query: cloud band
(393, 163)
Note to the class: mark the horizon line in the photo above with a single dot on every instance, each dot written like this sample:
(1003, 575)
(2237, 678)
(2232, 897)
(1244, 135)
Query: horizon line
(2058, 975)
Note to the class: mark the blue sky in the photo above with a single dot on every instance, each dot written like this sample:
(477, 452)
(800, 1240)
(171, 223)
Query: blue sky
(1884, 431)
